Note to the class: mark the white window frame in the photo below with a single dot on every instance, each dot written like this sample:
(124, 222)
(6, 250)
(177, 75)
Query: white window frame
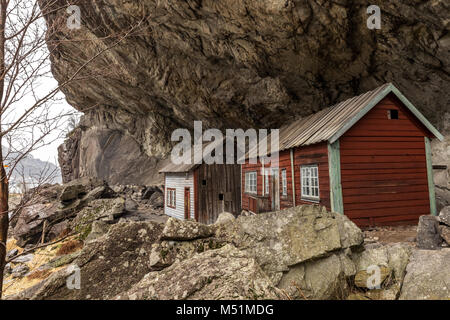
(266, 181)
(251, 182)
(309, 182)
(283, 182)
(171, 198)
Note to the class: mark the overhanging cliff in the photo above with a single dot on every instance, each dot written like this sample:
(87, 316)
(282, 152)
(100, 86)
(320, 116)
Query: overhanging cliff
(234, 64)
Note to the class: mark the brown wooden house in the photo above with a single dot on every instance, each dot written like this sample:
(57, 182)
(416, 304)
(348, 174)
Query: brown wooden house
(368, 157)
(201, 191)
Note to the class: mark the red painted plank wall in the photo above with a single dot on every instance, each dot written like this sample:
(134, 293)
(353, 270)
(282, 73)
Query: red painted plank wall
(313, 154)
(284, 162)
(383, 167)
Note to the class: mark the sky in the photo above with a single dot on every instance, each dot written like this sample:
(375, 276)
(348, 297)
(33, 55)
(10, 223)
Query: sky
(43, 85)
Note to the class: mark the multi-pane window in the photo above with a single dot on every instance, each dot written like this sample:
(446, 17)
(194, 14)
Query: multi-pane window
(283, 182)
(310, 182)
(171, 198)
(250, 182)
(266, 181)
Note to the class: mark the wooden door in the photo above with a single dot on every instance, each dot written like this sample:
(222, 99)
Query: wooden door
(275, 190)
(187, 203)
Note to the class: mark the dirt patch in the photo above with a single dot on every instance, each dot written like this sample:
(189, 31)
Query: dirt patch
(385, 235)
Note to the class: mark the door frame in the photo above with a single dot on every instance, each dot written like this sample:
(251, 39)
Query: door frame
(275, 190)
(187, 204)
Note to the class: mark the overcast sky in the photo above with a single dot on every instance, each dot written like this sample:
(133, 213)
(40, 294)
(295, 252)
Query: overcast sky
(43, 84)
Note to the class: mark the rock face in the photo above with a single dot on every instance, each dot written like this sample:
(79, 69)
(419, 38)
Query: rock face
(233, 64)
(441, 157)
(427, 276)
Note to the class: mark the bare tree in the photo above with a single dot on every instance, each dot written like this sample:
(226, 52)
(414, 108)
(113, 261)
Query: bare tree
(26, 116)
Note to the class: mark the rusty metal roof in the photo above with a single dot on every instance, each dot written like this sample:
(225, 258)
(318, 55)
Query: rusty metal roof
(331, 123)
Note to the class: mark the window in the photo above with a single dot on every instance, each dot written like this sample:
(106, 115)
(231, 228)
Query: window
(283, 182)
(250, 182)
(171, 198)
(393, 114)
(310, 182)
(266, 181)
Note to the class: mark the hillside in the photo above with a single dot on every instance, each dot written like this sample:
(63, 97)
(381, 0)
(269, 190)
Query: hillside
(34, 171)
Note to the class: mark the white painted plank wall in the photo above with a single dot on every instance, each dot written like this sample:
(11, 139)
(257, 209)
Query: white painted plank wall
(179, 181)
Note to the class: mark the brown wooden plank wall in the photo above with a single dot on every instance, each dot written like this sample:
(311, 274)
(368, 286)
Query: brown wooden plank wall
(213, 180)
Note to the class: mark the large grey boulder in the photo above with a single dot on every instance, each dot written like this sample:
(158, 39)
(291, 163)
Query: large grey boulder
(393, 257)
(324, 278)
(30, 220)
(101, 209)
(223, 274)
(427, 276)
(183, 230)
(225, 217)
(286, 238)
(77, 188)
(428, 233)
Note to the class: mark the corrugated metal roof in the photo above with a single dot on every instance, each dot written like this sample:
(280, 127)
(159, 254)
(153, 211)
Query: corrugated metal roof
(323, 125)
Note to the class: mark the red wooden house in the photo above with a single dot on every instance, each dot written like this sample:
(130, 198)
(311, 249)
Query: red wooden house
(368, 157)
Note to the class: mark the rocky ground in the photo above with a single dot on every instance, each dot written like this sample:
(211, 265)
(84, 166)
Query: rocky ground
(298, 253)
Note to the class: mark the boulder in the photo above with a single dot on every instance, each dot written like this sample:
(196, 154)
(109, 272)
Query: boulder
(223, 274)
(427, 276)
(324, 278)
(101, 209)
(30, 220)
(57, 229)
(71, 192)
(109, 266)
(76, 188)
(444, 216)
(392, 258)
(428, 234)
(20, 271)
(363, 278)
(156, 200)
(165, 253)
(225, 217)
(23, 259)
(184, 230)
(444, 232)
(286, 238)
(130, 205)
